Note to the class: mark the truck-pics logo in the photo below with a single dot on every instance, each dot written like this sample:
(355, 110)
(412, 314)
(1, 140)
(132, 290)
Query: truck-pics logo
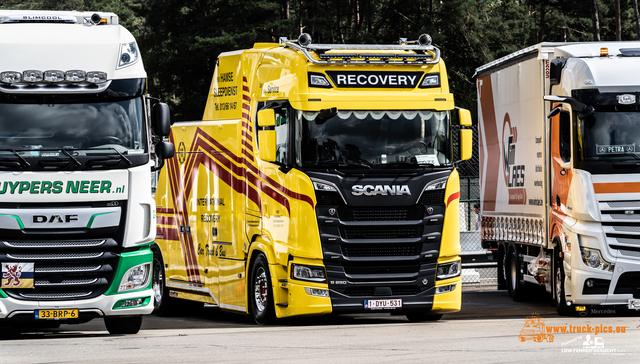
(369, 190)
(534, 329)
(513, 173)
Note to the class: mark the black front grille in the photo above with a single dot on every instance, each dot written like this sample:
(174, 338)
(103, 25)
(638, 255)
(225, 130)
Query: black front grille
(381, 232)
(348, 213)
(627, 283)
(61, 270)
(368, 291)
(377, 268)
(381, 250)
(433, 197)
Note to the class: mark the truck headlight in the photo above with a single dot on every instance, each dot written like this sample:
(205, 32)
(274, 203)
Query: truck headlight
(308, 273)
(135, 278)
(319, 186)
(448, 270)
(593, 259)
(437, 184)
(128, 54)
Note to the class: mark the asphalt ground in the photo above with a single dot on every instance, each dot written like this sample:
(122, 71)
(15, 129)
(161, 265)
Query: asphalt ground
(488, 329)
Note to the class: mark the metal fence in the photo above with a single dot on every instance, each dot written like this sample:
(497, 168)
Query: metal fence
(479, 271)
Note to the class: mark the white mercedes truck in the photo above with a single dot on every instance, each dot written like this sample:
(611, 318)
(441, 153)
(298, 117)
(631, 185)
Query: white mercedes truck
(80, 144)
(559, 171)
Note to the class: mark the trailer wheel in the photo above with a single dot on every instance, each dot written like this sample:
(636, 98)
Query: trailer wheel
(261, 292)
(423, 317)
(123, 325)
(558, 284)
(514, 284)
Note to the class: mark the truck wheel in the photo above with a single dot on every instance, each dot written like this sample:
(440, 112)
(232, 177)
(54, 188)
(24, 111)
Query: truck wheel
(164, 305)
(558, 283)
(423, 317)
(123, 325)
(260, 292)
(502, 267)
(514, 285)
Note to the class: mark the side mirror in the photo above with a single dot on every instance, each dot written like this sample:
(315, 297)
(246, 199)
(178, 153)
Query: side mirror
(165, 150)
(465, 117)
(466, 144)
(267, 136)
(267, 145)
(266, 118)
(161, 120)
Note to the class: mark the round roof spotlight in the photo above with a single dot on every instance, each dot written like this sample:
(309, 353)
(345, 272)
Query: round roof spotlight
(424, 40)
(96, 18)
(304, 39)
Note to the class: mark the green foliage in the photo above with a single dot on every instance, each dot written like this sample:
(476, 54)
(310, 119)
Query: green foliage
(181, 39)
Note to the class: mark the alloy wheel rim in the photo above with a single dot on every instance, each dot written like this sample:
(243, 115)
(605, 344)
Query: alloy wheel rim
(157, 285)
(260, 287)
(558, 284)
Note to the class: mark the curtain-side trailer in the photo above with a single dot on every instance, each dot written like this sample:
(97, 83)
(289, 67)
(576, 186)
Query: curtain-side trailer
(560, 185)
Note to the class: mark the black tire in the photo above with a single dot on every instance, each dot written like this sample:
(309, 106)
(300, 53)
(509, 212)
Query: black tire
(502, 264)
(123, 325)
(515, 286)
(558, 285)
(261, 292)
(165, 305)
(423, 317)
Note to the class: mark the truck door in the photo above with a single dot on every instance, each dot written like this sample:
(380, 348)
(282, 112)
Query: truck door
(560, 177)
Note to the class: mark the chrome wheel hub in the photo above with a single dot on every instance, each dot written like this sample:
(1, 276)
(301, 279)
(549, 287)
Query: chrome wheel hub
(260, 288)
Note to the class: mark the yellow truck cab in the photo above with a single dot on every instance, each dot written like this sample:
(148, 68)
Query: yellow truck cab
(321, 180)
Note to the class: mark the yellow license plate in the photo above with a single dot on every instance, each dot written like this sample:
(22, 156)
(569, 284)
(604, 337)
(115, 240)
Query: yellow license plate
(56, 314)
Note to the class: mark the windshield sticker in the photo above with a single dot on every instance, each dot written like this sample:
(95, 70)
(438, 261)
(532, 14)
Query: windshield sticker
(427, 159)
(615, 149)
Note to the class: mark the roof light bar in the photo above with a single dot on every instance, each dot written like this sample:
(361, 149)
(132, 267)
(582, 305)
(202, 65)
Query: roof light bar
(413, 52)
(10, 77)
(52, 76)
(32, 76)
(75, 76)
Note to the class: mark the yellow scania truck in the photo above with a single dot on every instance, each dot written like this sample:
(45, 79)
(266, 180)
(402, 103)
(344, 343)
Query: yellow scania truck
(321, 180)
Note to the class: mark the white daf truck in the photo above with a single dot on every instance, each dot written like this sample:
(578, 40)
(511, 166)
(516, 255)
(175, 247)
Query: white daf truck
(80, 142)
(560, 172)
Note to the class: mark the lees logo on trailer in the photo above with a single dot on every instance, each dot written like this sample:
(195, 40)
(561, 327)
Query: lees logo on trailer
(513, 173)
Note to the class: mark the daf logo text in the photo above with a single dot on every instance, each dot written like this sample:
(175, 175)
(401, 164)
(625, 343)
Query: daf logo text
(41, 219)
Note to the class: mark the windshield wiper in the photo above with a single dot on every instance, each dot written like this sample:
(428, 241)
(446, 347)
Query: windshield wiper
(127, 160)
(345, 164)
(21, 161)
(407, 165)
(100, 159)
(75, 161)
(627, 154)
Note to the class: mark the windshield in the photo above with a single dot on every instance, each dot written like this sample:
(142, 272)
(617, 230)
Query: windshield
(609, 135)
(376, 139)
(96, 128)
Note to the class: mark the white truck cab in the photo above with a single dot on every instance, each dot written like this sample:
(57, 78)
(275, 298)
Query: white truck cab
(79, 147)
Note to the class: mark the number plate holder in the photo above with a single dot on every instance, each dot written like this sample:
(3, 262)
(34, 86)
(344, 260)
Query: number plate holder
(383, 304)
(57, 314)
